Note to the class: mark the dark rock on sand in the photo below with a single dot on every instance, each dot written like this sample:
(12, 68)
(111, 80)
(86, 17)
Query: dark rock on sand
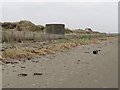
(23, 67)
(96, 51)
(38, 73)
(22, 74)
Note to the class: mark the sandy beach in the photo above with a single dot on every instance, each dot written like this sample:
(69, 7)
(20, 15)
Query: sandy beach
(74, 68)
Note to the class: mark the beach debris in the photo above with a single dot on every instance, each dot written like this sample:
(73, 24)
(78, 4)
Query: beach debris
(13, 62)
(78, 61)
(38, 73)
(23, 74)
(23, 67)
(13, 66)
(20, 41)
(43, 43)
(29, 58)
(35, 61)
(96, 51)
(7, 61)
(2, 49)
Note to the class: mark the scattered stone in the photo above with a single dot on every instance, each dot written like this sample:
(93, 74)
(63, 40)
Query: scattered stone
(29, 58)
(13, 66)
(8, 61)
(38, 73)
(23, 67)
(3, 49)
(14, 62)
(22, 74)
(78, 61)
(35, 61)
(43, 43)
(20, 41)
(96, 51)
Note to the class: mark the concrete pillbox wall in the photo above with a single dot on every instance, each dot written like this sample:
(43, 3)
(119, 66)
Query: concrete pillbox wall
(55, 29)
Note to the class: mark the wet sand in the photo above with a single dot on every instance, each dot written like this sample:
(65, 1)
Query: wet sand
(74, 68)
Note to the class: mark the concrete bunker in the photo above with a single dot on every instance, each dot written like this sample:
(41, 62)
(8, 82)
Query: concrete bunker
(55, 29)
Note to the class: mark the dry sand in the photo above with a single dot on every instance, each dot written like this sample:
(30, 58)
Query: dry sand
(74, 68)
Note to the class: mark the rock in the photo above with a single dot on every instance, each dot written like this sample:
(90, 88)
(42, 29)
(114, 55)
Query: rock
(8, 61)
(22, 74)
(29, 58)
(78, 61)
(23, 67)
(2, 49)
(14, 62)
(43, 43)
(20, 41)
(35, 61)
(39, 73)
(96, 51)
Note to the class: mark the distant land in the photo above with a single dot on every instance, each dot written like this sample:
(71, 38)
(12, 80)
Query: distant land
(25, 25)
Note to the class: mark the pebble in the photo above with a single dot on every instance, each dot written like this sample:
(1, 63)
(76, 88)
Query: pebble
(38, 73)
(22, 74)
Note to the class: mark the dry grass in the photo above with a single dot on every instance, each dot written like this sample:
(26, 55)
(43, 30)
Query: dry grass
(20, 53)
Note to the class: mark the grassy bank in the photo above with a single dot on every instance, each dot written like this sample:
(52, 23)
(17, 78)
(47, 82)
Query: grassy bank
(28, 50)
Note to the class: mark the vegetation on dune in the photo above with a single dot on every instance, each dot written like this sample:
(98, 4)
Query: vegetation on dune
(23, 51)
(68, 31)
(81, 31)
(23, 25)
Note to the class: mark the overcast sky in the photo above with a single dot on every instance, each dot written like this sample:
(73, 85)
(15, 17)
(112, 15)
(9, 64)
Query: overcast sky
(100, 16)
